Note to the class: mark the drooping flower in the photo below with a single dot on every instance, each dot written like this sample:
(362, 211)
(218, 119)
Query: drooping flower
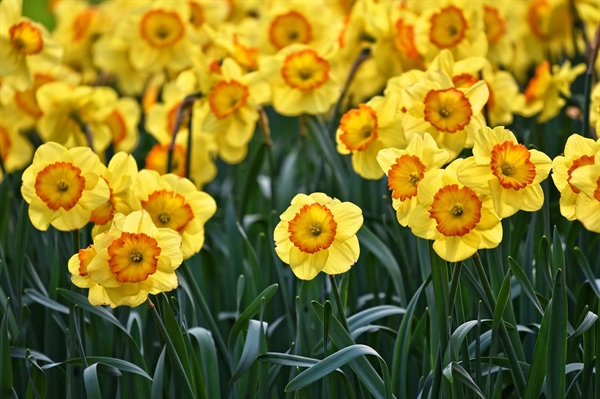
(363, 132)
(80, 277)
(454, 216)
(506, 170)
(406, 168)
(318, 233)
(586, 179)
(133, 259)
(579, 151)
(63, 187)
(23, 43)
(176, 203)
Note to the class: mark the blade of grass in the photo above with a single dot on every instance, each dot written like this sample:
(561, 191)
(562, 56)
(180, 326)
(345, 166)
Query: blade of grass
(557, 342)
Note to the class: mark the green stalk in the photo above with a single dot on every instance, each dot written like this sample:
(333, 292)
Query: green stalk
(185, 107)
(515, 368)
(76, 241)
(338, 302)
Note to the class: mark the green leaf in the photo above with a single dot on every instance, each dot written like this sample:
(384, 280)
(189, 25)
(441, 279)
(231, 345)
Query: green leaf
(557, 343)
(457, 338)
(6, 376)
(371, 314)
(46, 301)
(159, 376)
(250, 312)
(587, 270)
(503, 297)
(537, 372)
(90, 378)
(374, 244)
(37, 377)
(285, 359)
(586, 324)
(119, 364)
(455, 370)
(525, 284)
(558, 256)
(250, 351)
(208, 358)
(333, 362)
(361, 366)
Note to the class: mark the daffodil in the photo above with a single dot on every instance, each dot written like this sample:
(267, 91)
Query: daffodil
(120, 175)
(63, 187)
(451, 115)
(363, 132)
(506, 170)
(79, 276)
(458, 219)
(135, 258)
(123, 123)
(318, 233)
(162, 117)
(406, 168)
(15, 150)
(595, 108)
(545, 91)
(579, 151)
(23, 43)
(301, 81)
(176, 203)
(586, 179)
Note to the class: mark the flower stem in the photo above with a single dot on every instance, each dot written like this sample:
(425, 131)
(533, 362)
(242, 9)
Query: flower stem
(338, 303)
(76, 241)
(185, 108)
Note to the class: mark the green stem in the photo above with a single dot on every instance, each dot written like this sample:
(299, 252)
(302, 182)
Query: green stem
(184, 107)
(76, 241)
(515, 367)
(338, 302)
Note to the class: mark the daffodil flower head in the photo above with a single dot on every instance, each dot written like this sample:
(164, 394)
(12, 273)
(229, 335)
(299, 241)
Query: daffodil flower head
(80, 277)
(365, 131)
(63, 187)
(318, 233)
(406, 168)
(506, 170)
(133, 259)
(453, 215)
(579, 152)
(175, 203)
(586, 179)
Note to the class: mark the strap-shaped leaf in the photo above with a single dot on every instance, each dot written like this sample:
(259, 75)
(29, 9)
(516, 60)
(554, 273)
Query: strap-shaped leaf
(250, 312)
(250, 351)
(367, 316)
(525, 283)
(455, 370)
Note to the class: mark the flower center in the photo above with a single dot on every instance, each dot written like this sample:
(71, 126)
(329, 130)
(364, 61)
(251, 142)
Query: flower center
(227, 97)
(359, 128)
(495, 25)
(60, 185)
(404, 176)
(26, 99)
(456, 210)
(447, 110)
(169, 209)
(581, 161)
(158, 156)
(305, 70)
(5, 143)
(133, 257)
(196, 14)
(161, 28)
(405, 39)
(116, 123)
(511, 165)
(288, 28)
(313, 228)
(26, 38)
(448, 27)
(539, 83)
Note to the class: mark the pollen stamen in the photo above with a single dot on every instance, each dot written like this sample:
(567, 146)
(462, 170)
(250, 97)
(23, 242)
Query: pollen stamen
(164, 217)
(315, 229)
(62, 185)
(457, 210)
(136, 256)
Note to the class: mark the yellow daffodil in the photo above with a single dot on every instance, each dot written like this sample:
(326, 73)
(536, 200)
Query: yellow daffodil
(586, 179)
(595, 108)
(230, 110)
(69, 110)
(579, 151)
(318, 233)
(406, 168)
(133, 259)
(212, 13)
(80, 277)
(499, 36)
(15, 150)
(175, 203)
(363, 132)
(23, 43)
(506, 170)
(454, 216)
(63, 187)
(451, 115)
(161, 117)
(545, 91)
(120, 175)
(301, 81)
(123, 123)
(458, 28)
